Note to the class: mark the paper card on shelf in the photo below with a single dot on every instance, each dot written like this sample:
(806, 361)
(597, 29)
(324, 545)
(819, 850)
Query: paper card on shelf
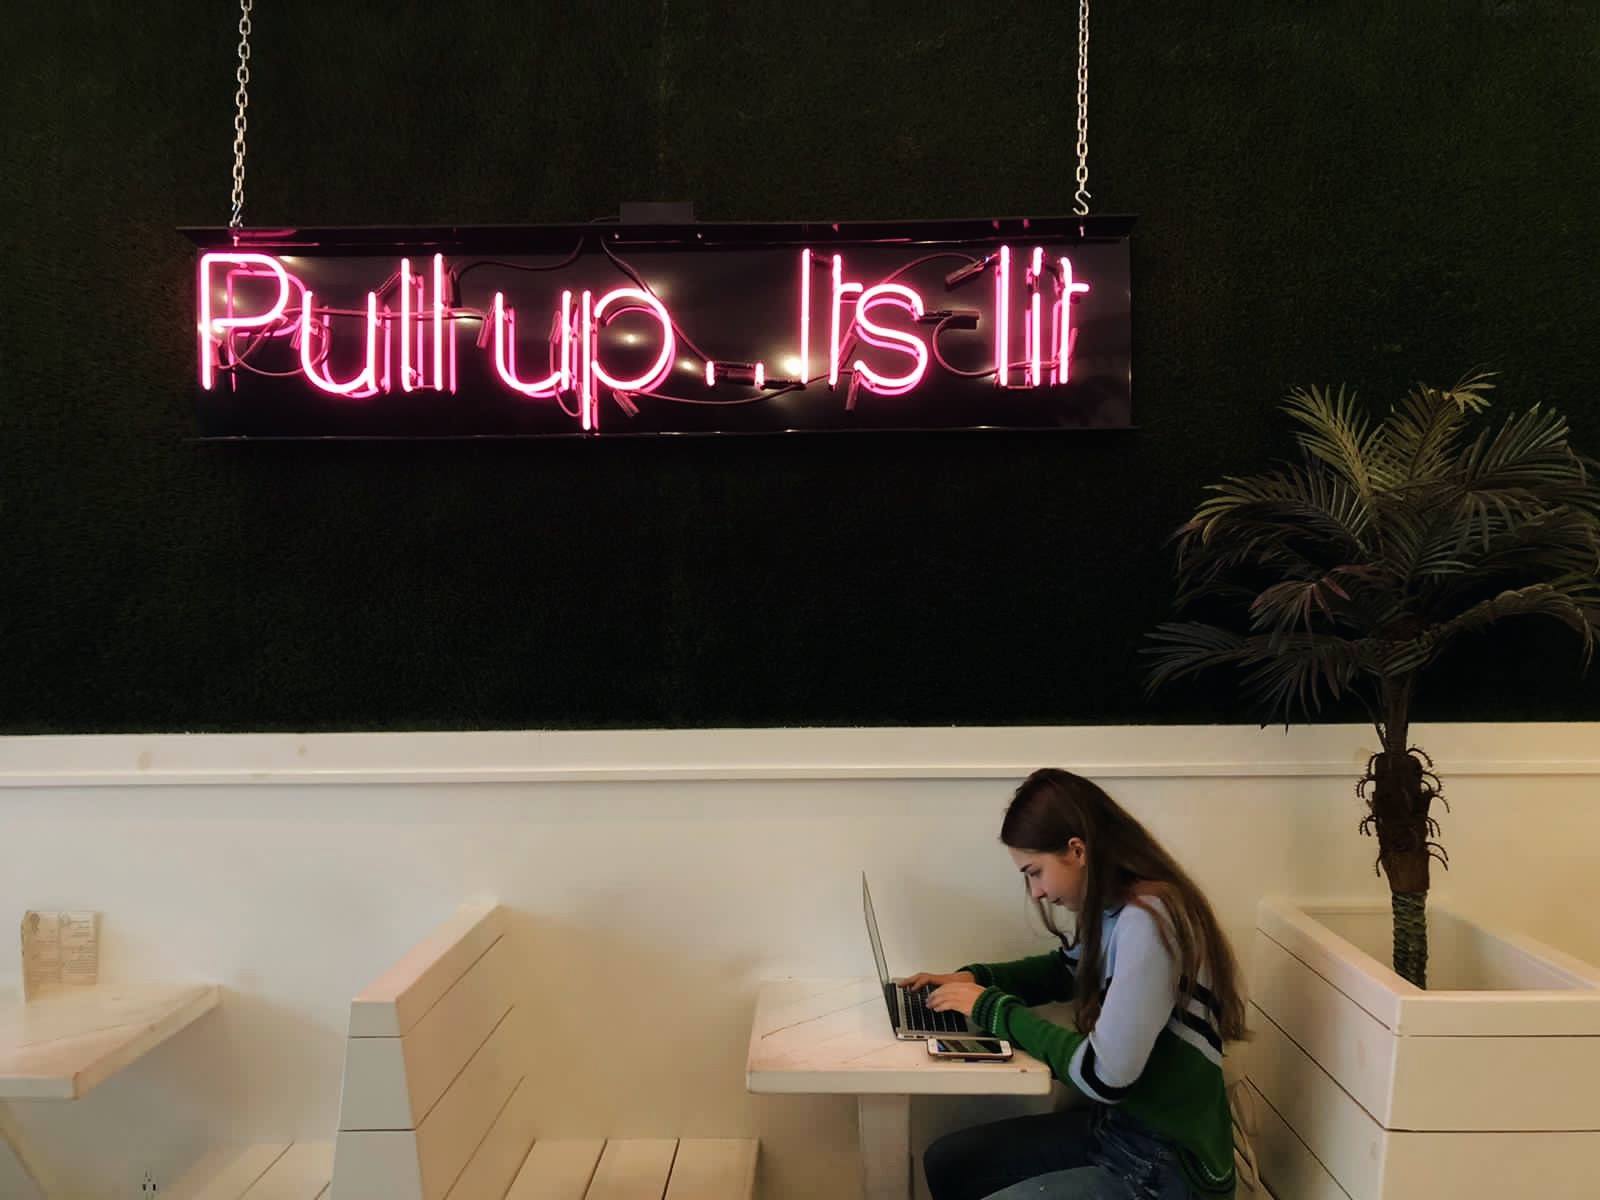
(41, 952)
(59, 948)
(80, 948)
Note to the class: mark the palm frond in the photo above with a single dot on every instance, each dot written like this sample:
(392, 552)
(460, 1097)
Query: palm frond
(1468, 392)
(1562, 538)
(1480, 522)
(1185, 648)
(1574, 600)
(1281, 670)
(1336, 431)
(1404, 522)
(1222, 575)
(1304, 668)
(1527, 451)
(1522, 436)
(1314, 506)
(1292, 603)
(1418, 435)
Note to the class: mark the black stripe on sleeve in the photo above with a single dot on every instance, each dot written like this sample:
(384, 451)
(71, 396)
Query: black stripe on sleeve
(1100, 1088)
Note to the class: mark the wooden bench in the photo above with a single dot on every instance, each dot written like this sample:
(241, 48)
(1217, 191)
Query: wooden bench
(438, 1094)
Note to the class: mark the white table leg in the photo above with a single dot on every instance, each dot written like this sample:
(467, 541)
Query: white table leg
(25, 1171)
(884, 1123)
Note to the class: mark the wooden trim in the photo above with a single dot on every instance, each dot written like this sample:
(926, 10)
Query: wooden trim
(696, 755)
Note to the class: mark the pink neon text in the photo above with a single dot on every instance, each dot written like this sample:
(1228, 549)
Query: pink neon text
(244, 297)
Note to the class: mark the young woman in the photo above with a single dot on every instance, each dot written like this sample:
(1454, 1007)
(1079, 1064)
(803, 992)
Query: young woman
(1157, 991)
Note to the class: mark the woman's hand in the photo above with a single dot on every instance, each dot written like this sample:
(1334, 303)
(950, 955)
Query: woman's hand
(960, 996)
(923, 979)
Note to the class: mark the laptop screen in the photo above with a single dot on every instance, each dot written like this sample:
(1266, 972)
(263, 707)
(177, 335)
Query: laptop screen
(872, 931)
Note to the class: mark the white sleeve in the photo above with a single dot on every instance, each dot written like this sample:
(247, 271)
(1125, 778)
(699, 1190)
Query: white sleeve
(1138, 1005)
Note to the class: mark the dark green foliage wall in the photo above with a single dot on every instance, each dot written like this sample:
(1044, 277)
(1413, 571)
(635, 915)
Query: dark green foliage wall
(1327, 191)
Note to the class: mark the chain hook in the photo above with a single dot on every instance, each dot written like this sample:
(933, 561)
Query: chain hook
(1081, 208)
(241, 100)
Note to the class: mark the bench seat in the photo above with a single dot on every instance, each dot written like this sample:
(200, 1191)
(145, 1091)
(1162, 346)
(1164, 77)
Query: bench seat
(640, 1169)
(263, 1171)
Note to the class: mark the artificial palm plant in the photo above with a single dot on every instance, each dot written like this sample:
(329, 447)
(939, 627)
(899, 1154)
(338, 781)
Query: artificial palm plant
(1351, 570)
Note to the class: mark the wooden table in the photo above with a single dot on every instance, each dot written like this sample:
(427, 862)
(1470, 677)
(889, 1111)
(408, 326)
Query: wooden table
(67, 1041)
(832, 1036)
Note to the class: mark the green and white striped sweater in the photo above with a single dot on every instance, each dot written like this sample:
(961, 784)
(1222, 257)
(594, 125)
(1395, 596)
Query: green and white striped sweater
(1158, 1059)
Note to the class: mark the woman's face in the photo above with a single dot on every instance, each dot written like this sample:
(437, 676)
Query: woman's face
(1058, 878)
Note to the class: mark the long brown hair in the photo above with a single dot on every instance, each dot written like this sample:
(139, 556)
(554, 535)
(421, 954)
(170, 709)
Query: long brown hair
(1125, 865)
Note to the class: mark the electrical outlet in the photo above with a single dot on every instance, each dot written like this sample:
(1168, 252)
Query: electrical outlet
(148, 1187)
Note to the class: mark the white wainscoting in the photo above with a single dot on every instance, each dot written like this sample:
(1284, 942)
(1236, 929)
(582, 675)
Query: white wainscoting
(672, 870)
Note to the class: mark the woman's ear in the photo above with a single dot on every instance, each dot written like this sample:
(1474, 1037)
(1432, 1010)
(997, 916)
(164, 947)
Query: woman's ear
(1077, 851)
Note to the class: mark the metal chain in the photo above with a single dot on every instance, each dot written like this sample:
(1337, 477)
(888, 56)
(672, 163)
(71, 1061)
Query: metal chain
(1082, 195)
(241, 100)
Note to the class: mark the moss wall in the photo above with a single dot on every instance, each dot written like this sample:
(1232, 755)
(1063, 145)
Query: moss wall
(1326, 192)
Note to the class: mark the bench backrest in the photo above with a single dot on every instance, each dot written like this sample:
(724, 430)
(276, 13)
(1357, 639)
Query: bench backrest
(436, 1102)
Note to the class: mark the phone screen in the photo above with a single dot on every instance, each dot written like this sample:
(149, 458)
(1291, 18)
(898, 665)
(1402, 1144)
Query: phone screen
(969, 1045)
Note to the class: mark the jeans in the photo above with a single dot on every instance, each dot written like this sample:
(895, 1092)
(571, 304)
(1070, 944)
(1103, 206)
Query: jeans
(1078, 1154)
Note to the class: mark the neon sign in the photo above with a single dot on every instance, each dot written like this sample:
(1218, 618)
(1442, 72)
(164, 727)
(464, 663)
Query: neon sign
(696, 328)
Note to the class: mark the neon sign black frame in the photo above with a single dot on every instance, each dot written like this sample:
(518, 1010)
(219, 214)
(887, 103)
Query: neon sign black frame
(586, 307)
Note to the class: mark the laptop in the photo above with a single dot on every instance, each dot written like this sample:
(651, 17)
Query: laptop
(909, 1014)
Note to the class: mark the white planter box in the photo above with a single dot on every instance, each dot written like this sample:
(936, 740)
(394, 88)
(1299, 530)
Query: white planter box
(1367, 1088)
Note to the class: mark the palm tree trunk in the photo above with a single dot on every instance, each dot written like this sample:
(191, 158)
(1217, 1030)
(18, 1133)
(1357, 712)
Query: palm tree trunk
(1400, 811)
(1411, 936)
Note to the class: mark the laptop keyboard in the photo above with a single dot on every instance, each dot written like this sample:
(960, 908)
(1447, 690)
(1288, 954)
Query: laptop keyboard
(920, 1016)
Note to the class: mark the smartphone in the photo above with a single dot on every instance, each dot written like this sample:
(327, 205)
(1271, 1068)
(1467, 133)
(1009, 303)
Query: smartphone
(974, 1049)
